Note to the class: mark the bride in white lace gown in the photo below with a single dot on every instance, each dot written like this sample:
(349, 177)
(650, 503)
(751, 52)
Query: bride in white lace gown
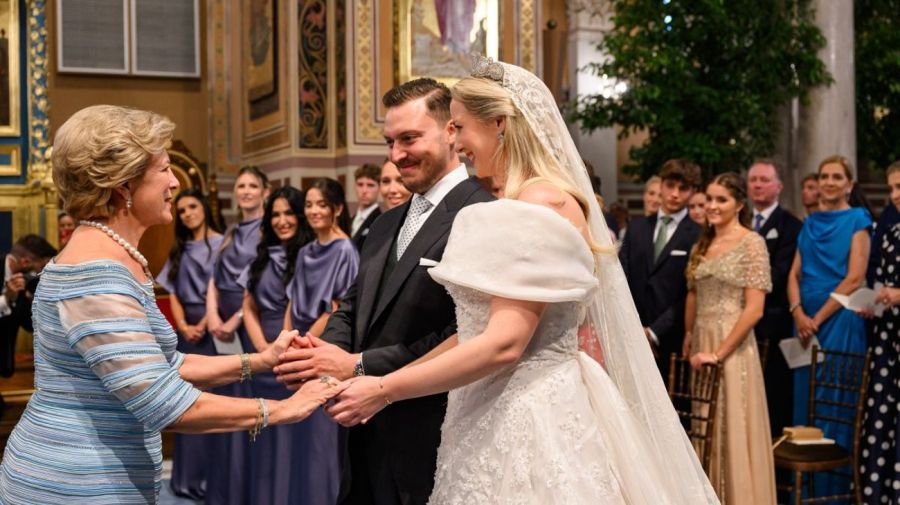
(531, 419)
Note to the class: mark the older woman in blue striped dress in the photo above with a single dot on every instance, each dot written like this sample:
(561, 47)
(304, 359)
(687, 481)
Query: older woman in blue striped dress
(108, 377)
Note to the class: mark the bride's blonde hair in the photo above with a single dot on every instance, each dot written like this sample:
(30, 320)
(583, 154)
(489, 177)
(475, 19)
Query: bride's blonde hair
(520, 152)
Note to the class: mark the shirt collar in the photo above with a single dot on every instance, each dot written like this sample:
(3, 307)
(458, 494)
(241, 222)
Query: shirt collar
(767, 212)
(364, 213)
(447, 183)
(676, 217)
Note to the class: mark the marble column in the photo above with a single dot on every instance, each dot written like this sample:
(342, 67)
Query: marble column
(827, 125)
(598, 147)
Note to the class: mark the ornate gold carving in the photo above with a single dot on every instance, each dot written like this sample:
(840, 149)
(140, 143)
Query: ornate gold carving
(527, 39)
(366, 126)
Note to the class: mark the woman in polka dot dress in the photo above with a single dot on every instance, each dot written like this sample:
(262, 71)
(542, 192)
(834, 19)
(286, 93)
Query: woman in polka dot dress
(880, 465)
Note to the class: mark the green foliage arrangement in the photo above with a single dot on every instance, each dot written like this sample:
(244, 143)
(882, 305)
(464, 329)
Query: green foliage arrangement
(877, 47)
(705, 77)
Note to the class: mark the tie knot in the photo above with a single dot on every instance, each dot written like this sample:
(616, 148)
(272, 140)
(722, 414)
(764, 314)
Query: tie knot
(419, 205)
(666, 220)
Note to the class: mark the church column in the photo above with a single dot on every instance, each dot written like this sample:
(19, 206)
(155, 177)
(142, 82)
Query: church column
(827, 125)
(598, 147)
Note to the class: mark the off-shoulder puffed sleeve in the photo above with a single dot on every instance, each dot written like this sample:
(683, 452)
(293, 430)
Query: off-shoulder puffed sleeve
(111, 331)
(517, 250)
(754, 270)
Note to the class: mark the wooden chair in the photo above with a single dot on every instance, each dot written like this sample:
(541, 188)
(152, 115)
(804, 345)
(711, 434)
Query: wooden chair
(838, 371)
(695, 395)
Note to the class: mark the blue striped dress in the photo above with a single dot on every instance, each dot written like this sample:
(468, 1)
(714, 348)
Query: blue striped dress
(107, 382)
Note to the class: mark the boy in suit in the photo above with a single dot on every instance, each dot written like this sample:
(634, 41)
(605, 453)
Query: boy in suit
(367, 210)
(654, 255)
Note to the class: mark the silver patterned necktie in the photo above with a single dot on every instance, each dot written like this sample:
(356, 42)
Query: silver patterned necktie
(417, 208)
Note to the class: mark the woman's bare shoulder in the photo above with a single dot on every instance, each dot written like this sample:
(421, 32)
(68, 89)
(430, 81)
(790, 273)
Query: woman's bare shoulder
(545, 193)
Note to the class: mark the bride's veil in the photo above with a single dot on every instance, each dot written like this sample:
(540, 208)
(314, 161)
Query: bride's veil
(627, 356)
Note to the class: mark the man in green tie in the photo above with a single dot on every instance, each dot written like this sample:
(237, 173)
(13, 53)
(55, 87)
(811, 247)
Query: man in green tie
(655, 254)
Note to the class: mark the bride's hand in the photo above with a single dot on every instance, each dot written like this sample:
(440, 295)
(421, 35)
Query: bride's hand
(311, 396)
(277, 348)
(363, 399)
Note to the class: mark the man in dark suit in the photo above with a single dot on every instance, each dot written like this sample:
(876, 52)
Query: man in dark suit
(395, 313)
(654, 255)
(367, 212)
(780, 229)
(19, 271)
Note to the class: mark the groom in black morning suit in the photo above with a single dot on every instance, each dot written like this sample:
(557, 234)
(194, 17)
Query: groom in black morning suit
(654, 255)
(780, 229)
(395, 313)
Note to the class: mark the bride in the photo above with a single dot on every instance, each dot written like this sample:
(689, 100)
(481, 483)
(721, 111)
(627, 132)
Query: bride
(531, 419)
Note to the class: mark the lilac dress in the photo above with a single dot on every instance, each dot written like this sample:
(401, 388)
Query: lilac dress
(323, 272)
(226, 480)
(196, 267)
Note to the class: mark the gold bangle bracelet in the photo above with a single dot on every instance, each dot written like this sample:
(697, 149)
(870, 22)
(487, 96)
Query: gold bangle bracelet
(246, 372)
(254, 431)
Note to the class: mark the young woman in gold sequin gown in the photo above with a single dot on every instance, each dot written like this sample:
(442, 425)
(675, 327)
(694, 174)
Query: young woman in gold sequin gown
(728, 278)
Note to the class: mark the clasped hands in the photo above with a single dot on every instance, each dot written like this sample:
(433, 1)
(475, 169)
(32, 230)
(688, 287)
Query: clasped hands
(310, 357)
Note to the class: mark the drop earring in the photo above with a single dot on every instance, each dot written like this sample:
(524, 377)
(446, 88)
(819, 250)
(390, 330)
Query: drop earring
(129, 203)
(500, 136)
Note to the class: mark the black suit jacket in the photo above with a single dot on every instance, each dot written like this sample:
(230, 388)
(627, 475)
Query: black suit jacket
(359, 238)
(9, 326)
(659, 288)
(780, 231)
(412, 315)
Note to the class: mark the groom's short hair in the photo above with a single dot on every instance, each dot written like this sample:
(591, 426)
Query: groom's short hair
(437, 97)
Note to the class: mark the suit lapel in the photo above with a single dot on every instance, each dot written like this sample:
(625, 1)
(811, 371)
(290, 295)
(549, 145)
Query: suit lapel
(370, 285)
(649, 240)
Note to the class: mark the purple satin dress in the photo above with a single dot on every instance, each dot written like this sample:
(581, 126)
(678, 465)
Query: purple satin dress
(230, 455)
(323, 272)
(279, 451)
(189, 461)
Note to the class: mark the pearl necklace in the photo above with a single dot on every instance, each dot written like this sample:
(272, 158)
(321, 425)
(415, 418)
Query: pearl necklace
(121, 241)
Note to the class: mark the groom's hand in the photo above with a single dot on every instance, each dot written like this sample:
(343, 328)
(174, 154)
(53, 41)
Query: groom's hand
(298, 365)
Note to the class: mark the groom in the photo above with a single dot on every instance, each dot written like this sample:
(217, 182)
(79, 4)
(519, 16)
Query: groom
(395, 313)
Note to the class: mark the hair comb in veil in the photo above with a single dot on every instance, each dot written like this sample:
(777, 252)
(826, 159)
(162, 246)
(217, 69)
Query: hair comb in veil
(486, 67)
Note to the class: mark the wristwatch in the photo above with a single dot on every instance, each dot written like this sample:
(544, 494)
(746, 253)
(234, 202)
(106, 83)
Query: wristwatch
(358, 369)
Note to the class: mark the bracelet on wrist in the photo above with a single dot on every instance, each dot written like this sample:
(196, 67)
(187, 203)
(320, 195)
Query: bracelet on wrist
(387, 401)
(716, 357)
(794, 307)
(262, 419)
(359, 370)
(246, 371)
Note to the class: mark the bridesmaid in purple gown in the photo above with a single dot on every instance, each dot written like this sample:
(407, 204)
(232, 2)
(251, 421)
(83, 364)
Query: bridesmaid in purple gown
(186, 276)
(276, 453)
(325, 269)
(229, 455)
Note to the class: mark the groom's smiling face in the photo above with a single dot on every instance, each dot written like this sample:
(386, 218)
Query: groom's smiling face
(418, 144)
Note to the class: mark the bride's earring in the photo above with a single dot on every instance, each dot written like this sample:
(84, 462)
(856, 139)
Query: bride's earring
(500, 136)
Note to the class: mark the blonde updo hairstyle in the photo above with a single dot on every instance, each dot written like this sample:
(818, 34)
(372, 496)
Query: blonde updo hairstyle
(521, 152)
(101, 148)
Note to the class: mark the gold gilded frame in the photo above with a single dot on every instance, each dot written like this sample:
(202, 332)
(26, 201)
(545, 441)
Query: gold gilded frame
(405, 31)
(13, 129)
(14, 166)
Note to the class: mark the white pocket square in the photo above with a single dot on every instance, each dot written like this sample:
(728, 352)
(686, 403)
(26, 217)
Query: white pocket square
(425, 262)
(678, 252)
(773, 233)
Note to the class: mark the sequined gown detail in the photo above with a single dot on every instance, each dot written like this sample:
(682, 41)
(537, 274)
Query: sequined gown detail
(742, 469)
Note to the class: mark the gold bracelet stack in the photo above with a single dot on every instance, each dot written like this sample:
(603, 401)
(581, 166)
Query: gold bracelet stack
(246, 372)
(262, 419)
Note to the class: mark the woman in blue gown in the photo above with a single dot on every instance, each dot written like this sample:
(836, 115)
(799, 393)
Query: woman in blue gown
(832, 252)
(274, 456)
(186, 277)
(226, 479)
(325, 269)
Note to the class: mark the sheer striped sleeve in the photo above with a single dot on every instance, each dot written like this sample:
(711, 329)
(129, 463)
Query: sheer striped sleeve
(112, 333)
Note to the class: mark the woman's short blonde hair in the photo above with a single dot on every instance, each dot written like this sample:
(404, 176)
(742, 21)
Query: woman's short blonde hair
(101, 148)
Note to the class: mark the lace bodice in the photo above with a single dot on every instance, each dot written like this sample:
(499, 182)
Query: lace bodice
(720, 282)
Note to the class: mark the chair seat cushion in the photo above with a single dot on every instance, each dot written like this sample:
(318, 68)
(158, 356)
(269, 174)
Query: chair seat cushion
(787, 453)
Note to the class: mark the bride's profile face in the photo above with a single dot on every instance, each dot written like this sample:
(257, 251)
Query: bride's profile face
(477, 140)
